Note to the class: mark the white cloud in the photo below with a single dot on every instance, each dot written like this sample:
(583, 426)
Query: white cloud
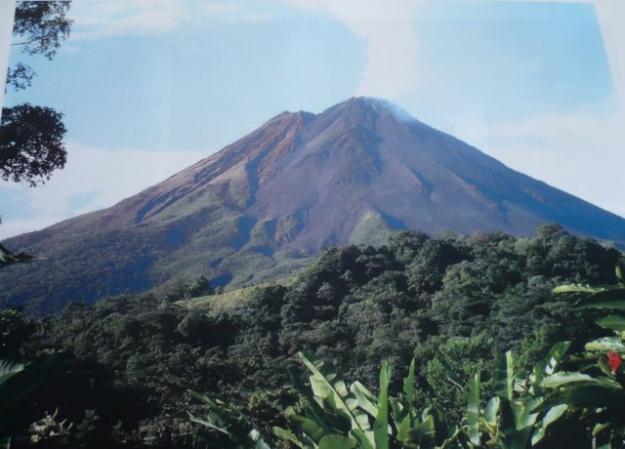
(579, 153)
(393, 48)
(394, 64)
(108, 176)
(104, 18)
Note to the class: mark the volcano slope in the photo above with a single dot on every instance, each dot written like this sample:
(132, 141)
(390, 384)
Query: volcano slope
(266, 204)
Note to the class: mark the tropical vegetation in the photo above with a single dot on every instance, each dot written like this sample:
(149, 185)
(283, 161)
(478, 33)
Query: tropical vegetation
(472, 342)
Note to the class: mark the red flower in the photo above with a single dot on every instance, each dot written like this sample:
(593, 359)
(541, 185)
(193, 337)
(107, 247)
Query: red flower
(614, 360)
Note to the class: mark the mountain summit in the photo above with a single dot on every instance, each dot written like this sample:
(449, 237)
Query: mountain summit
(300, 182)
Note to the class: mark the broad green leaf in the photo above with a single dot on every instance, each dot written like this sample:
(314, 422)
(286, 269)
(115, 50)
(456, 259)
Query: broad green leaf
(575, 288)
(549, 364)
(320, 387)
(341, 388)
(522, 410)
(366, 400)
(309, 427)
(595, 395)
(352, 403)
(613, 299)
(363, 420)
(596, 432)
(322, 383)
(337, 442)
(620, 272)
(505, 374)
(409, 383)
(510, 375)
(608, 304)
(365, 439)
(287, 435)
(579, 379)
(550, 417)
(604, 365)
(564, 378)
(613, 322)
(473, 410)
(491, 412)
(380, 427)
(606, 344)
(404, 428)
(424, 432)
(397, 411)
(600, 428)
(256, 437)
(8, 370)
(209, 424)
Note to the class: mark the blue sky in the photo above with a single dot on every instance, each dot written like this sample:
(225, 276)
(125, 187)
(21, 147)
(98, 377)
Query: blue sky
(150, 86)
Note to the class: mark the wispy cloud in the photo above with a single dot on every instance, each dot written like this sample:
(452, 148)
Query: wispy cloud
(387, 28)
(105, 18)
(581, 154)
(394, 64)
(93, 179)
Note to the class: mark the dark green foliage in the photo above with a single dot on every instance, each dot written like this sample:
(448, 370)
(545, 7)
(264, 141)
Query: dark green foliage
(15, 329)
(199, 287)
(31, 137)
(355, 309)
(31, 143)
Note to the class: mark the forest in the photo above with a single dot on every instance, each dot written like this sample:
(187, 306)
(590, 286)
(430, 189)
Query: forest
(450, 342)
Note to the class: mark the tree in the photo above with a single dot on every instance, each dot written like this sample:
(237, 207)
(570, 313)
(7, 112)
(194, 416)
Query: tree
(31, 143)
(40, 28)
(31, 137)
(200, 287)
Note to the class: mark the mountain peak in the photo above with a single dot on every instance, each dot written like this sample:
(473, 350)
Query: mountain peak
(376, 105)
(301, 182)
(352, 107)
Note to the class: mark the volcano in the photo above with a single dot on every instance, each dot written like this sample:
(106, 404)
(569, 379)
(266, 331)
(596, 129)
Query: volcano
(264, 205)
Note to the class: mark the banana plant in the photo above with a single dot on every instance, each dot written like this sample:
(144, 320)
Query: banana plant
(519, 416)
(229, 422)
(597, 387)
(339, 416)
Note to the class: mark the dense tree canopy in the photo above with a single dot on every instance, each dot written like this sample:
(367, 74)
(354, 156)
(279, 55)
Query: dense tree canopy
(31, 143)
(454, 304)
